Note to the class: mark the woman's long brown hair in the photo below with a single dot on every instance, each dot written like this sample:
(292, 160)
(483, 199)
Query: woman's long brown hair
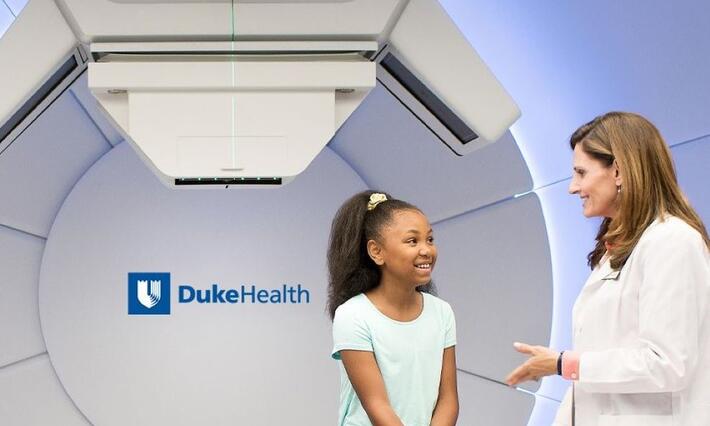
(649, 185)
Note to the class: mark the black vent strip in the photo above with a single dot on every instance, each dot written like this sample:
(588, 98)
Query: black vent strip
(424, 122)
(226, 53)
(430, 101)
(228, 181)
(52, 82)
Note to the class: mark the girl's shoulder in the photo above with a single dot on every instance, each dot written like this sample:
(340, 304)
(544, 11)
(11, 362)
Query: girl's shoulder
(352, 306)
(437, 303)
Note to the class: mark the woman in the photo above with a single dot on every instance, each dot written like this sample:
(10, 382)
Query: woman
(641, 323)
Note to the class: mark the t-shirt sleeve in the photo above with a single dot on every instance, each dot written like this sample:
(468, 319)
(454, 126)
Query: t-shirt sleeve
(450, 327)
(350, 332)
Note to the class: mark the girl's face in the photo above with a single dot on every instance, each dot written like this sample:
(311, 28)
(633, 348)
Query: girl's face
(407, 252)
(595, 183)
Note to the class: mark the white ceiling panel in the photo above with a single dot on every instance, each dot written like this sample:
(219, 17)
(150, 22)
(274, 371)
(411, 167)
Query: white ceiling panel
(41, 166)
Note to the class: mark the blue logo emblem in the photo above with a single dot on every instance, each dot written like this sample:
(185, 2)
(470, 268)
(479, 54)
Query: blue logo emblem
(149, 293)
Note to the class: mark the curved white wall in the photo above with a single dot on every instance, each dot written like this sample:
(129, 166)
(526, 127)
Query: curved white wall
(114, 217)
(204, 363)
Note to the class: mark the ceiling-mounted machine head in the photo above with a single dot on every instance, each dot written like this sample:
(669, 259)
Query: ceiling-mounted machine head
(249, 92)
(230, 112)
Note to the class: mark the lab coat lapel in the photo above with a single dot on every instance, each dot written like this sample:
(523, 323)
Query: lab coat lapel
(597, 278)
(600, 274)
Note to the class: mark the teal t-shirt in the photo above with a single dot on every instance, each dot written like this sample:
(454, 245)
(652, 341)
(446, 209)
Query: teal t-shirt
(409, 356)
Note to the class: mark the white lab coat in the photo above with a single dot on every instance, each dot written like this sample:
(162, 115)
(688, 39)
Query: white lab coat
(644, 335)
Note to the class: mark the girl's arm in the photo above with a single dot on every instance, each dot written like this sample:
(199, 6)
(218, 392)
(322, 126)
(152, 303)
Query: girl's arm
(364, 374)
(447, 406)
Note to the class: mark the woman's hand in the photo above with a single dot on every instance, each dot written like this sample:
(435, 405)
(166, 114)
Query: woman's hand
(542, 362)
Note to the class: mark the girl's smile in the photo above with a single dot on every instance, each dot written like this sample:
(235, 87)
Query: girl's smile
(407, 253)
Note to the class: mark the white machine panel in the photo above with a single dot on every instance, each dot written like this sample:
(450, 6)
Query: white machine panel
(30, 394)
(20, 334)
(434, 49)
(244, 144)
(107, 20)
(494, 269)
(251, 118)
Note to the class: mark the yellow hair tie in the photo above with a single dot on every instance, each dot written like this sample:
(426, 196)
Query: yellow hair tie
(375, 199)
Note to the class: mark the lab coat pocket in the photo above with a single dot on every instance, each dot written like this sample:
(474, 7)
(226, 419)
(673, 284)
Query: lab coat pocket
(640, 404)
(634, 420)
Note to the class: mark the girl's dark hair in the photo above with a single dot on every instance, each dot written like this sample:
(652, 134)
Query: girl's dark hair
(351, 270)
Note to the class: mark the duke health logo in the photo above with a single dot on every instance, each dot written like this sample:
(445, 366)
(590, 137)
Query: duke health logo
(149, 293)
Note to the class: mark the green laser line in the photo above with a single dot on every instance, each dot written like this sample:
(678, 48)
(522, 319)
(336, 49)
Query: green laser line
(234, 101)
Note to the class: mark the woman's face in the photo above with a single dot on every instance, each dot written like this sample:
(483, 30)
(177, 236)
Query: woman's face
(595, 183)
(407, 252)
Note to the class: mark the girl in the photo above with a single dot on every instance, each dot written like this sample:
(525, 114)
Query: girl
(394, 338)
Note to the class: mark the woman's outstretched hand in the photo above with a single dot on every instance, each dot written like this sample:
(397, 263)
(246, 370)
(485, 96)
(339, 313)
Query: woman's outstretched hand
(542, 362)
